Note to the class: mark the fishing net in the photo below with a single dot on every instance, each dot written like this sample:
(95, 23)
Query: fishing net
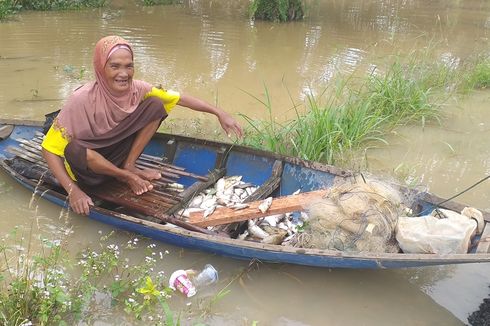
(356, 216)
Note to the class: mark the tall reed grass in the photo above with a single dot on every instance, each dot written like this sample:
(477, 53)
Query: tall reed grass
(358, 111)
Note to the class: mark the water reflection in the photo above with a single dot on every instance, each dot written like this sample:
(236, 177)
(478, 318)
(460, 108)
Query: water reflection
(213, 41)
(210, 48)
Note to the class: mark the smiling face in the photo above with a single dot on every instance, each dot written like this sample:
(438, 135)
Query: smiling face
(119, 71)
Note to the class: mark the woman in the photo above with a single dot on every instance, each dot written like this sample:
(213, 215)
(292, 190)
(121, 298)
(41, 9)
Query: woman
(104, 126)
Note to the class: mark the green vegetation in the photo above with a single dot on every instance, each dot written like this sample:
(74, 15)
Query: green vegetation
(159, 2)
(276, 10)
(10, 7)
(476, 74)
(357, 111)
(42, 289)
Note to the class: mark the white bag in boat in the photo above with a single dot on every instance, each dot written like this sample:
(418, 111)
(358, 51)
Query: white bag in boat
(449, 234)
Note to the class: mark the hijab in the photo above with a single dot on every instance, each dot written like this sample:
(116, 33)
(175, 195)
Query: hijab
(93, 110)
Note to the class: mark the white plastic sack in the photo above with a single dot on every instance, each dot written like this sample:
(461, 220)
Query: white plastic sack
(432, 235)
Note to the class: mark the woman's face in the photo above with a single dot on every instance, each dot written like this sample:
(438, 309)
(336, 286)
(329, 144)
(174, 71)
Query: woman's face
(118, 71)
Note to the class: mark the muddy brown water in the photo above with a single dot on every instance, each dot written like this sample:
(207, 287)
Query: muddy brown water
(210, 49)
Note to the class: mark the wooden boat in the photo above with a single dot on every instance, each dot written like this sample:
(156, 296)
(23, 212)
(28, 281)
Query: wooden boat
(198, 164)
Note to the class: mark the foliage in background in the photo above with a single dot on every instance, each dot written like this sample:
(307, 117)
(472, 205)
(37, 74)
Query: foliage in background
(10, 7)
(276, 10)
(354, 112)
(42, 288)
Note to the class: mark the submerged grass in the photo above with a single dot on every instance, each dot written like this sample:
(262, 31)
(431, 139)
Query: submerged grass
(355, 112)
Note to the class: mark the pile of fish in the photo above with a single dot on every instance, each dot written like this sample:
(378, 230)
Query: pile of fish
(227, 192)
(275, 229)
(231, 192)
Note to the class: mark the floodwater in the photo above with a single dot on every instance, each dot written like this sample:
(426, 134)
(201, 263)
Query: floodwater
(210, 49)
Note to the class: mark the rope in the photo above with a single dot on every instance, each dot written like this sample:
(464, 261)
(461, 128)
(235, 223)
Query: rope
(462, 192)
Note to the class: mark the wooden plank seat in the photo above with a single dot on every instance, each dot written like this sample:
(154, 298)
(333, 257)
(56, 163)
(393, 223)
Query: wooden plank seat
(159, 202)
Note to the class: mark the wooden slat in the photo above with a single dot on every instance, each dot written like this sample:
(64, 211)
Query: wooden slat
(168, 171)
(26, 156)
(147, 208)
(484, 243)
(269, 186)
(285, 204)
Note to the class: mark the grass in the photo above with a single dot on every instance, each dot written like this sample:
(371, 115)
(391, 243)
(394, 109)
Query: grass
(276, 10)
(476, 74)
(357, 112)
(11, 7)
(47, 288)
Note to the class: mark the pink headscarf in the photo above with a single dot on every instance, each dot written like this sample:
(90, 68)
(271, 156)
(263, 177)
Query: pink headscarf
(92, 110)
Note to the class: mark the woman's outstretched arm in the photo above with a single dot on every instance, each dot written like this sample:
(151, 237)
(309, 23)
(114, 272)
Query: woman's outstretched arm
(228, 123)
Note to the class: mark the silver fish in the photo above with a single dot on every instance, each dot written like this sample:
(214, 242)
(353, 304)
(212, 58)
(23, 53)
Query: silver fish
(208, 211)
(272, 220)
(256, 231)
(243, 235)
(238, 206)
(264, 206)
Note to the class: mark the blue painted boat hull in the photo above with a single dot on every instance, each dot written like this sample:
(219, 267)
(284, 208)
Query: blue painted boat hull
(200, 156)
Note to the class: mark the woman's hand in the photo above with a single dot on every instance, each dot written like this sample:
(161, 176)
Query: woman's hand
(79, 201)
(229, 124)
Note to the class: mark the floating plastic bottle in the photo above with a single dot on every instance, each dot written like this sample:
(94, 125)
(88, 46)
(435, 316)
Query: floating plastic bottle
(207, 276)
(180, 281)
(186, 281)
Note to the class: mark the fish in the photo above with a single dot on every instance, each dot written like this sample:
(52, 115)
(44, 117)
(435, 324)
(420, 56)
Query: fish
(239, 191)
(220, 186)
(243, 235)
(230, 182)
(272, 220)
(283, 226)
(196, 201)
(224, 200)
(208, 211)
(264, 205)
(238, 206)
(256, 231)
(208, 202)
(250, 190)
(175, 185)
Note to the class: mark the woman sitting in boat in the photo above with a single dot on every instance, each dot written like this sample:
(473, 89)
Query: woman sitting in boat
(104, 126)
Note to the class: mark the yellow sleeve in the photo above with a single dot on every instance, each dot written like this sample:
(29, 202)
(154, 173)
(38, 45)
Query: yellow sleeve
(168, 97)
(54, 142)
